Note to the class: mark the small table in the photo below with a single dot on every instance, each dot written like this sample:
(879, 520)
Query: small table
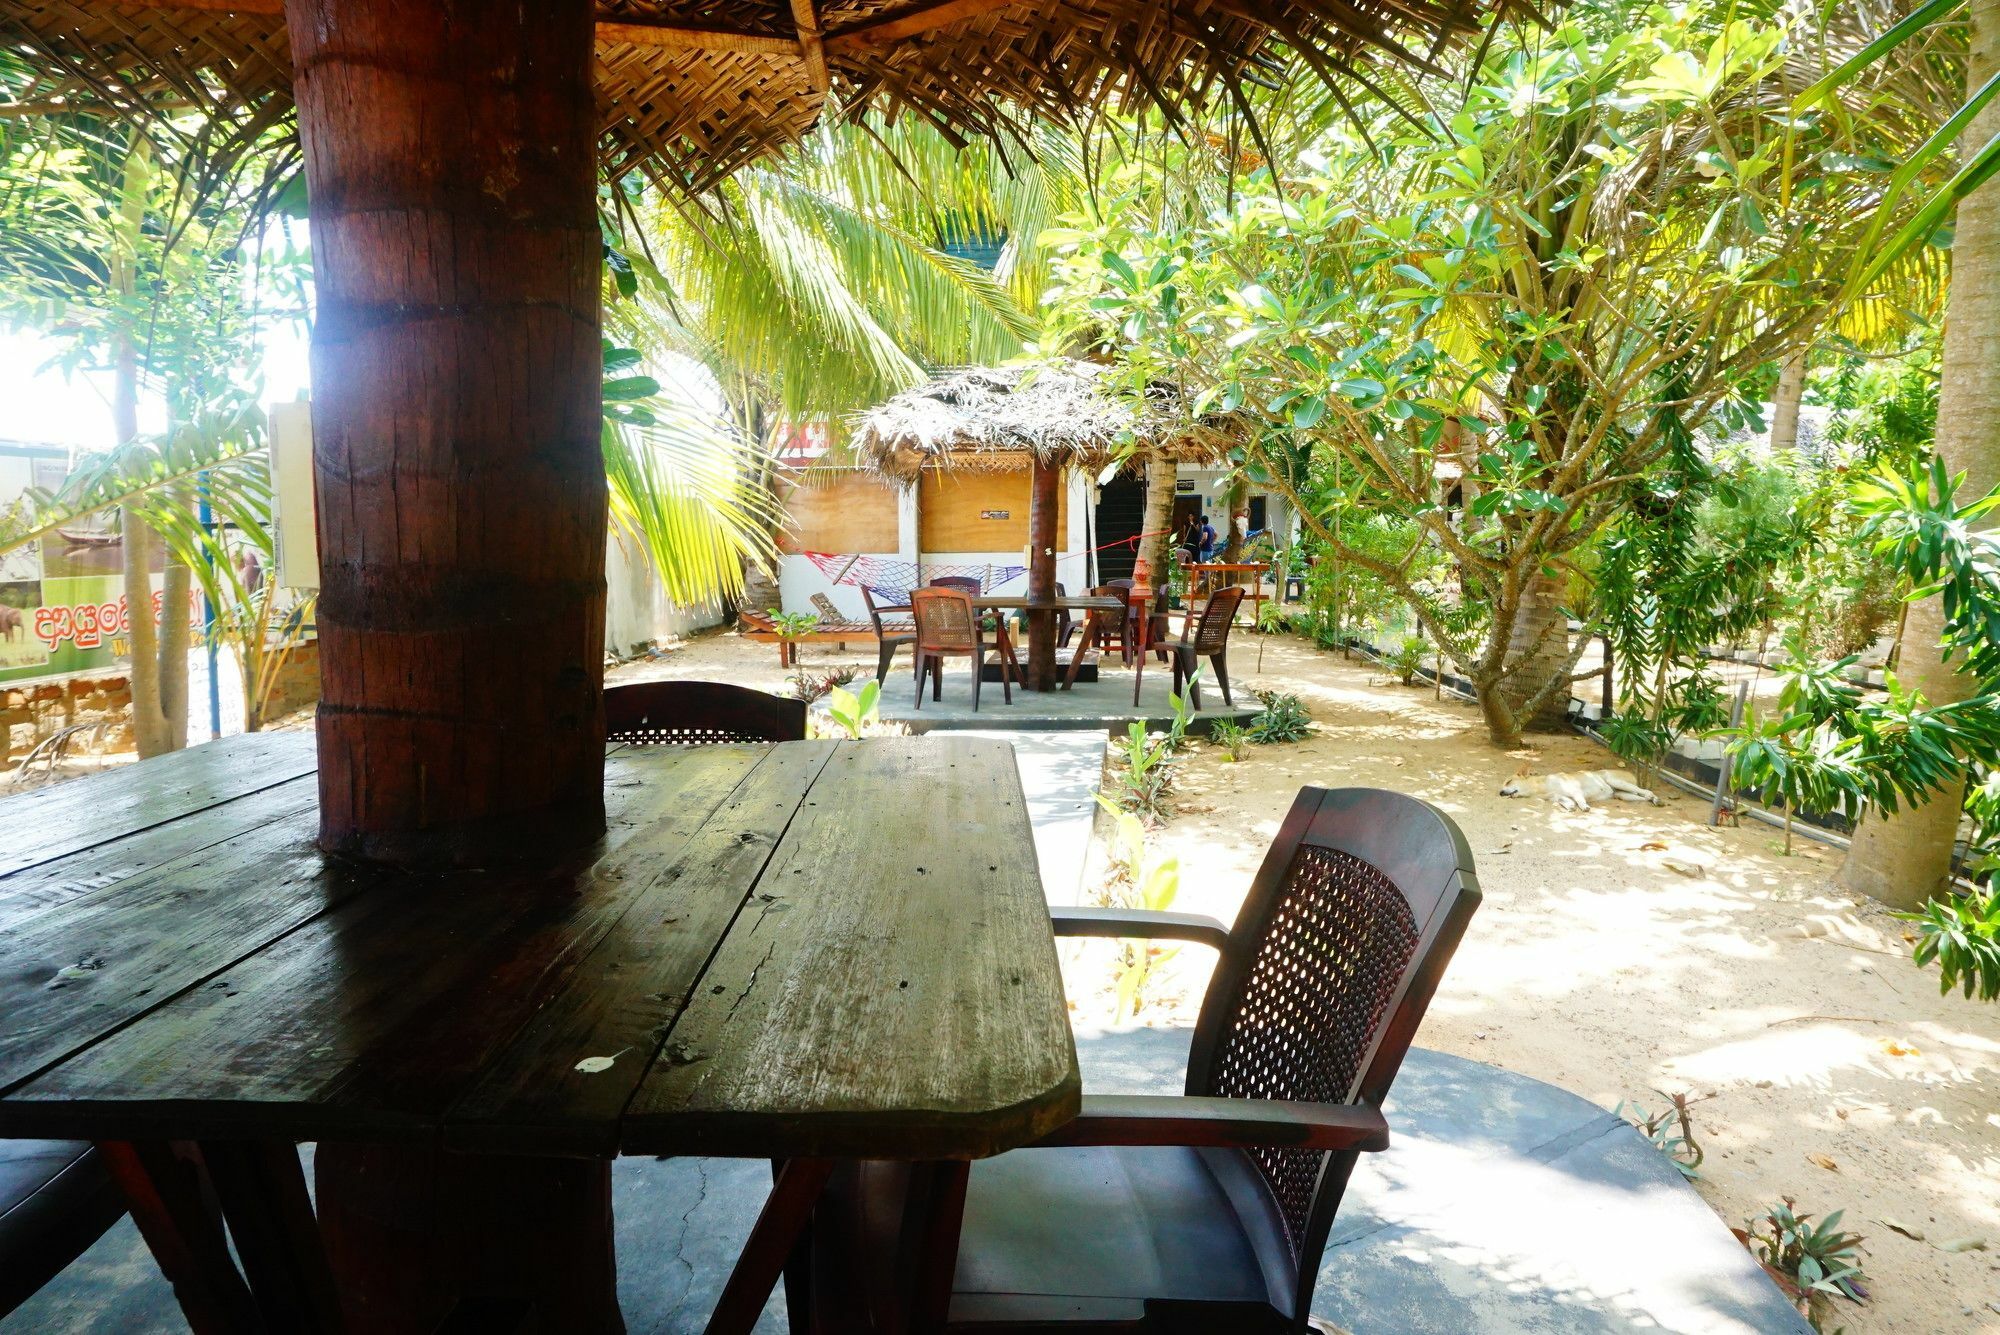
(1205, 576)
(1090, 606)
(773, 952)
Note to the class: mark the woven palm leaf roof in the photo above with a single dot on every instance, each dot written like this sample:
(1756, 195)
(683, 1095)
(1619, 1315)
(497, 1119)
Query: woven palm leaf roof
(999, 416)
(689, 90)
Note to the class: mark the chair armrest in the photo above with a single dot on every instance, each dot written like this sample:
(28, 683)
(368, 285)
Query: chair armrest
(1181, 1119)
(1195, 927)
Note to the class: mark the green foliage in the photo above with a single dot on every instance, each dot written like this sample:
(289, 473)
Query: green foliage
(790, 625)
(1669, 1130)
(1813, 1262)
(810, 684)
(1408, 659)
(1182, 703)
(1143, 772)
(1232, 737)
(1462, 341)
(1141, 883)
(1962, 935)
(1282, 719)
(1919, 529)
(854, 711)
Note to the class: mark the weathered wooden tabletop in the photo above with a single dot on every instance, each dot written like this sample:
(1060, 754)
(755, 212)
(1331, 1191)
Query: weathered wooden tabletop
(800, 949)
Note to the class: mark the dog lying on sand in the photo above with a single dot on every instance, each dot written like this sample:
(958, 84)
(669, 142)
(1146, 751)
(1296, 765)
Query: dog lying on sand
(1575, 792)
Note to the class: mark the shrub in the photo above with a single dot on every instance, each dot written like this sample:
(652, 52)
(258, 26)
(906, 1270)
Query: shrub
(1813, 1264)
(1283, 718)
(1409, 658)
(810, 684)
(1144, 773)
(1962, 934)
(1231, 736)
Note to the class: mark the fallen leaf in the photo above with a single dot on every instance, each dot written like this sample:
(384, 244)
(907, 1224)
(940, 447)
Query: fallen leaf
(592, 1065)
(1507, 847)
(1683, 868)
(1898, 1226)
(1653, 846)
(1895, 1049)
(1961, 1245)
(1825, 1162)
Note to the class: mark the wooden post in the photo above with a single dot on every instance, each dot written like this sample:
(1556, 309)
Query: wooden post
(1044, 480)
(451, 163)
(450, 157)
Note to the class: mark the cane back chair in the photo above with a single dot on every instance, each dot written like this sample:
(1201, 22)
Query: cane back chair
(699, 713)
(947, 627)
(1206, 635)
(1206, 1211)
(889, 635)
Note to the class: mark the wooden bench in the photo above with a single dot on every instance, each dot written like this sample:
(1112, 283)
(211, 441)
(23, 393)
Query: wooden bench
(755, 626)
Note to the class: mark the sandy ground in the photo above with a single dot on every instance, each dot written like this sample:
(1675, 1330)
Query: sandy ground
(1824, 1066)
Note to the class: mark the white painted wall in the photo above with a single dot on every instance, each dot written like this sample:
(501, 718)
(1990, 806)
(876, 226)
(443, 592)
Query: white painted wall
(637, 610)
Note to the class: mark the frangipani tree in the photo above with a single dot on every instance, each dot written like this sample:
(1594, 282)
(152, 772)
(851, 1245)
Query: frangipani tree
(1502, 323)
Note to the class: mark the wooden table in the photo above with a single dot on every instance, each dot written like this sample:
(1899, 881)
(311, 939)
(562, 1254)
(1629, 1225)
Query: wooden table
(773, 952)
(1205, 577)
(1091, 607)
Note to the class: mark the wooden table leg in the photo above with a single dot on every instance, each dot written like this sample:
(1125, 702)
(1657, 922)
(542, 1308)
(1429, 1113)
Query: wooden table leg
(780, 1225)
(1079, 645)
(934, 1242)
(270, 1214)
(163, 1186)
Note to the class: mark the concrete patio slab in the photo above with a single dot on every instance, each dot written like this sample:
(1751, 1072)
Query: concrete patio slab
(1104, 705)
(1504, 1205)
(1060, 772)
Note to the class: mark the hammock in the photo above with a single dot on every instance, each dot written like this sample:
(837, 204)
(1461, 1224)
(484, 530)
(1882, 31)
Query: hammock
(892, 580)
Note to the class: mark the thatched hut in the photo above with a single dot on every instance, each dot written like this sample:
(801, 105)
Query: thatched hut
(1003, 458)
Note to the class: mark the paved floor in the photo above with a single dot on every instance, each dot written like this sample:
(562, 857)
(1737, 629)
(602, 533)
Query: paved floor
(1504, 1207)
(1102, 705)
(1060, 773)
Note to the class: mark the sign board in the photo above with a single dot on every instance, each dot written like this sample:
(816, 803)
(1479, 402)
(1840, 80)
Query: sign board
(996, 514)
(294, 521)
(63, 608)
(1184, 486)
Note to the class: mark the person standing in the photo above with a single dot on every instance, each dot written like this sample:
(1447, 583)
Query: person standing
(1206, 539)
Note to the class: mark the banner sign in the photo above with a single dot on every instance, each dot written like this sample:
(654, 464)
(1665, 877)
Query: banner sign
(63, 609)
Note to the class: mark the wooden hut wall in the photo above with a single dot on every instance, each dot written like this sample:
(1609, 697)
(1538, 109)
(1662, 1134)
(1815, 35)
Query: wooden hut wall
(843, 513)
(978, 511)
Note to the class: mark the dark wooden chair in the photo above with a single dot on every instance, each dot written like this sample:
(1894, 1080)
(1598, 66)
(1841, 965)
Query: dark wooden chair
(1206, 1211)
(948, 626)
(889, 635)
(965, 584)
(1115, 632)
(699, 713)
(1206, 635)
(56, 1198)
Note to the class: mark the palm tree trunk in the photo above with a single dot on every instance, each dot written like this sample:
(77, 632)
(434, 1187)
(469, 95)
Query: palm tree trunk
(1160, 473)
(1785, 403)
(1905, 859)
(457, 426)
(149, 721)
(1234, 501)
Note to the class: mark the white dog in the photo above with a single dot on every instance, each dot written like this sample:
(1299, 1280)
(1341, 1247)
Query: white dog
(1575, 792)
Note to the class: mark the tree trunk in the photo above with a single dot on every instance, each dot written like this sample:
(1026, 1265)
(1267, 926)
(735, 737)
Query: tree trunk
(1043, 503)
(456, 421)
(1905, 859)
(1160, 473)
(450, 153)
(174, 644)
(1785, 403)
(1234, 501)
(151, 735)
(1540, 607)
(149, 721)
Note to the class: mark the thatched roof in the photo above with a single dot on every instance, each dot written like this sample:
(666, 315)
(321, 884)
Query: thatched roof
(998, 416)
(689, 90)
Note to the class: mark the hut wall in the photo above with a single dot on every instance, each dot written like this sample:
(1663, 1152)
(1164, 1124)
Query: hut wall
(799, 578)
(970, 511)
